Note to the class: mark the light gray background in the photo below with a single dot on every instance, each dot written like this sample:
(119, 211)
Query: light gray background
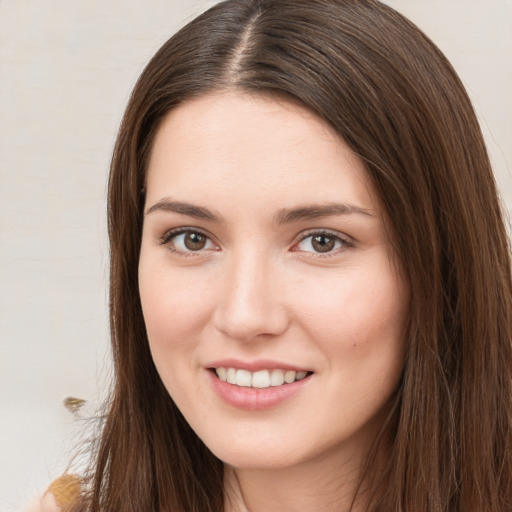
(66, 70)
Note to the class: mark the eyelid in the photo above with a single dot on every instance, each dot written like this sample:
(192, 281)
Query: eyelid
(347, 241)
(171, 233)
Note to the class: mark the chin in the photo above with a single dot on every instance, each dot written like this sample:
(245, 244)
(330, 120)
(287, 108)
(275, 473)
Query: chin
(257, 459)
(242, 453)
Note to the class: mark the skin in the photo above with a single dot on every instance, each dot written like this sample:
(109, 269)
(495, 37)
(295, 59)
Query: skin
(259, 289)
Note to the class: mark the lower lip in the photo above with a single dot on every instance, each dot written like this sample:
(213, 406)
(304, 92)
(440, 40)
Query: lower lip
(255, 399)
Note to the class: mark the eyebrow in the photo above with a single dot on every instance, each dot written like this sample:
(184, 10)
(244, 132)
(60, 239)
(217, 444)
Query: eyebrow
(190, 210)
(284, 216)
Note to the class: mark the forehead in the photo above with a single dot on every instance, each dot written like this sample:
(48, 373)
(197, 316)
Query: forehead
(231, 144)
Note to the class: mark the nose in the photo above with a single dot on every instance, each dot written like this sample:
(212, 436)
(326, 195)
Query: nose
(251, 304)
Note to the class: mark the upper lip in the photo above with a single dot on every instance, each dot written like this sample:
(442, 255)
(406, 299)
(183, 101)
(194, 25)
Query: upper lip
(254, 366)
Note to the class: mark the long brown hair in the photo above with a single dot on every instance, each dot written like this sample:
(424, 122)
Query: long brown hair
(396, 101)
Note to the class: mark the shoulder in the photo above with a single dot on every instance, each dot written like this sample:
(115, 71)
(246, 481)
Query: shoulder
(61, 495)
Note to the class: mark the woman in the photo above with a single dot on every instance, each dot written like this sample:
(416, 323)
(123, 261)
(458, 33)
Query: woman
(310, 276)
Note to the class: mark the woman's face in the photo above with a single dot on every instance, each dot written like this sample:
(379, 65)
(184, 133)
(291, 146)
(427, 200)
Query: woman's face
(274, 309)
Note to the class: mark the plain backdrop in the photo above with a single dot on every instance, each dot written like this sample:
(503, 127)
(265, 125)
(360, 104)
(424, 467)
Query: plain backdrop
(66, 71)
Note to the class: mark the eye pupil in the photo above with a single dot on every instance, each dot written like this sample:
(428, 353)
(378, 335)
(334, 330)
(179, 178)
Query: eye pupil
(194, 241)
(323, 243)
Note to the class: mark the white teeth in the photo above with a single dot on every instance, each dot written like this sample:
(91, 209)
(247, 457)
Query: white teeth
(231, 375)
(222, 373)
(277, 378)
(260, 379)
(289, 376)
(243, 378)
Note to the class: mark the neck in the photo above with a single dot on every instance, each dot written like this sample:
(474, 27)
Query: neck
(313, 485)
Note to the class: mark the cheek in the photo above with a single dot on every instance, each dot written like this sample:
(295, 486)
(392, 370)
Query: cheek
(173, 303)
(361, 333)
(358, 321)
(174, 307)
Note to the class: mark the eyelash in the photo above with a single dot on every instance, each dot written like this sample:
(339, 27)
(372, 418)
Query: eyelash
(173, 233)
(345, 242)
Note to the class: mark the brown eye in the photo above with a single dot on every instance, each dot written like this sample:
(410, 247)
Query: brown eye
(323, 243)
(187, 240)
(195, 241)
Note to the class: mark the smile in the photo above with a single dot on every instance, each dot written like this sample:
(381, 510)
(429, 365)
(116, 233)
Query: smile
(259, 379)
